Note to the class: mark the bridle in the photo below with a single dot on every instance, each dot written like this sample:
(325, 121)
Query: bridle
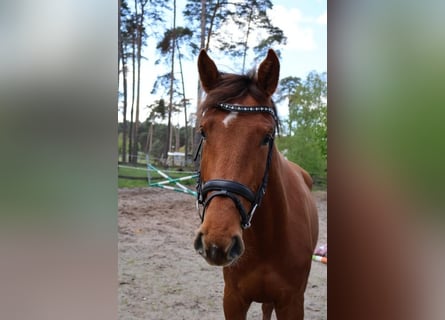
(233, 189)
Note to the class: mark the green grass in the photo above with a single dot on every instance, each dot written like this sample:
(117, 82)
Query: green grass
(132, 172)
(142, 172)
(127, 183)
(319, 184)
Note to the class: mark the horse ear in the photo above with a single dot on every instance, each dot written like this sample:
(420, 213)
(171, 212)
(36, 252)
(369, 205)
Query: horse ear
(269, 73)
(208, 72)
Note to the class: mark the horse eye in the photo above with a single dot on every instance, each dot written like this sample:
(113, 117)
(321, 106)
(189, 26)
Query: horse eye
(202, 133)
(266, 140)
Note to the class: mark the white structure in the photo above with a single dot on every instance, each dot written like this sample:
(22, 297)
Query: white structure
(176, 159)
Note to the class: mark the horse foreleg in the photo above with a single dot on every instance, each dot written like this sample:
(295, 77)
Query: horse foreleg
(235, 308)
(293, 309)
(267, 311)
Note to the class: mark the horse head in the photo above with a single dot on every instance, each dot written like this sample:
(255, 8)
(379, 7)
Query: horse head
(237, 122)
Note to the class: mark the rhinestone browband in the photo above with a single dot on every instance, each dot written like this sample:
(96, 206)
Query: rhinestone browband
(239, 108)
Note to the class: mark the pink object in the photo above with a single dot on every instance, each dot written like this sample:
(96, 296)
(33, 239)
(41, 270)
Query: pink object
(322, 251)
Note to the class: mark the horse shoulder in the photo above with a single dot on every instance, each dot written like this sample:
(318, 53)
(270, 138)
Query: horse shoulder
(305, 182)
(299, 170)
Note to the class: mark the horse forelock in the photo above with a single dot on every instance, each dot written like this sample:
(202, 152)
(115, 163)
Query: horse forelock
(232, 88)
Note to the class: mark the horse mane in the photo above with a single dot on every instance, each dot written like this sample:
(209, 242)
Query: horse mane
(232, 87)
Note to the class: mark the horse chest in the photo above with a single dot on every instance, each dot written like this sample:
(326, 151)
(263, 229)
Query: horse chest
(262, 284)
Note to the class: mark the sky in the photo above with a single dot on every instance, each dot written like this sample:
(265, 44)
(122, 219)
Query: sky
(303, 22)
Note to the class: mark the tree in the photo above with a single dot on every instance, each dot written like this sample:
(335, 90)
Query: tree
(138, 40)
(124, 12)
(132, 39)
(157, 111)
(157, 138)
(252, 16)
(169, 47)
(286, 89)
(307, 143)
(212, 16)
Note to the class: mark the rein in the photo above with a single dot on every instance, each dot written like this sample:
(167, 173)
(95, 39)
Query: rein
(233, 189)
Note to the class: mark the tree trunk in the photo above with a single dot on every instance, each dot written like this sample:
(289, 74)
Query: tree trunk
(203, 22)
(149, 139)
(212, 21)
(121, 59)
(185, 105)
(247, 39)
(172, 78)
(177, 139)
(132, 135)
(140, 33)
(125, 85)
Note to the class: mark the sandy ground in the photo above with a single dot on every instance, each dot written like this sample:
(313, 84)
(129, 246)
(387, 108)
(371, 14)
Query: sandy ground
(161, 276)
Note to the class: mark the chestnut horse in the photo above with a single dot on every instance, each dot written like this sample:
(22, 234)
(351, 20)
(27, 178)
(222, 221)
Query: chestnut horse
(266, 259)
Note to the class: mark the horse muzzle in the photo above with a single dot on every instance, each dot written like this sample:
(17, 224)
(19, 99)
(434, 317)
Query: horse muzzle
(217, 255)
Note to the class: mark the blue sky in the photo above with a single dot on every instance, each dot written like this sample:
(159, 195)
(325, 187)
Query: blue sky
(304, 24)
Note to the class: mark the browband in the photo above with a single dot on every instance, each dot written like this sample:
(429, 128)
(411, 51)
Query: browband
(239, 108)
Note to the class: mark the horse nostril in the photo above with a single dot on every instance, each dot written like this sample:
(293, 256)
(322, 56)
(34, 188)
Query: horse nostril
(236, 249)
(198, 244)
(215, 253)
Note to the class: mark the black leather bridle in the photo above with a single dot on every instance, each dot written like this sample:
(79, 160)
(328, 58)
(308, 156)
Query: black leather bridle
(233, 189)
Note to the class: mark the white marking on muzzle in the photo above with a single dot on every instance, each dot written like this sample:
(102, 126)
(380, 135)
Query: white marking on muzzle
(231, 116)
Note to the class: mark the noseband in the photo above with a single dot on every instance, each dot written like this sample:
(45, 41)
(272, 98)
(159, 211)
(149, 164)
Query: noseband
(233, 189)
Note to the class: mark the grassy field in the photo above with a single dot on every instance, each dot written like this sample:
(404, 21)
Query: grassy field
(141, 172)
(132, 172)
